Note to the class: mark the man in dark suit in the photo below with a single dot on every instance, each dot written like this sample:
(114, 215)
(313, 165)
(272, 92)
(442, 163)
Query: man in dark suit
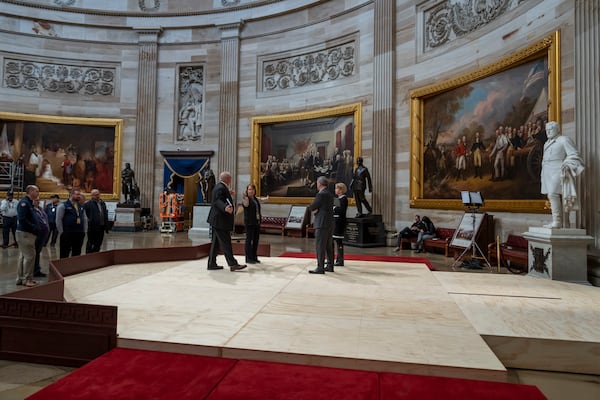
(220, 218)
(322, 208)
(71, 223)
(97, 216)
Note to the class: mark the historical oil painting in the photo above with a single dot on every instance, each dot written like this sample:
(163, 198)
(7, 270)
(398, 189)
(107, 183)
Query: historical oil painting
(289, 152)
(487, 135)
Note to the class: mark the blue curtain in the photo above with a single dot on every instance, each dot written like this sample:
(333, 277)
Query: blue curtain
(177, 169)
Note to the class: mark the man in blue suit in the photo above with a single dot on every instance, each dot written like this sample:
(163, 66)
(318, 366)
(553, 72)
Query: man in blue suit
(220, 218)
(322, 208)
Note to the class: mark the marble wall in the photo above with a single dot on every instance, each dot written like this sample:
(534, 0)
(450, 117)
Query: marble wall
(71, 33)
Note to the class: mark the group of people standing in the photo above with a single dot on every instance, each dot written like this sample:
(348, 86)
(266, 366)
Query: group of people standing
(71, 219)
(329, 223)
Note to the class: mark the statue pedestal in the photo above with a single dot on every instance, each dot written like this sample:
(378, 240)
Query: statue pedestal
(127, 219)
(558, 254)
(199, 225)
(365, 232)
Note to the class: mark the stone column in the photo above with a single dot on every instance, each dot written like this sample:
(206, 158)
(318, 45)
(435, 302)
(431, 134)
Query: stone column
(229, 99)
(587, 104)
(383, 111)
(145, 127)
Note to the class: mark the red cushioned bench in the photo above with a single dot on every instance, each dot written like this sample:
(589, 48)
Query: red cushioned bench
(441, 241)
(514, 251)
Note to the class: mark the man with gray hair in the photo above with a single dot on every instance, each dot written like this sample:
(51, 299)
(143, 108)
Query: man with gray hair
(221, 218)
(322, 209)
(561, 164)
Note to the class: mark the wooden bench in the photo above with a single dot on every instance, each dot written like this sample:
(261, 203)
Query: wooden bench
(266, 223)
(514, 251)
(274, 223)
(442, 239)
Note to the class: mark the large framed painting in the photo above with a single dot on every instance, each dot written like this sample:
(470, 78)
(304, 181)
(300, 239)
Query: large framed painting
(60, 153)
(290, 151)
(484, 132)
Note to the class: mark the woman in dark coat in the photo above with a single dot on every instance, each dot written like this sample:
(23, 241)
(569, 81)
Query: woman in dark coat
(252, 217)
(339, 218)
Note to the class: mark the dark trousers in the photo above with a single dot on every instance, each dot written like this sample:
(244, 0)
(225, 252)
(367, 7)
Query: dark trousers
(359, 196)
(221, 239)
(324, 246)
(251, 247)
(94, 241)
(8, 224)
(53, 235)
(339, 244)
(40, 241)
(71, 243)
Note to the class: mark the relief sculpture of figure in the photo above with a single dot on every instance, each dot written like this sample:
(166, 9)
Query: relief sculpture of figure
(561, 164)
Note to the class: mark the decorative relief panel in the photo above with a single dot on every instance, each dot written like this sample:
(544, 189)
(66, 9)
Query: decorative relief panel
(64, 2)
(312, 68)
(452, 19)
(191, 103)
(59, 78)
(149, 5)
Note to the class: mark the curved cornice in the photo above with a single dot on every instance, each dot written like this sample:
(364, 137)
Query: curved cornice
(276, 6)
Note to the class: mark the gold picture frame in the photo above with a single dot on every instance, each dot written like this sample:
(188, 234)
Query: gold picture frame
(283, 144)
(506, 94)
(34, 149)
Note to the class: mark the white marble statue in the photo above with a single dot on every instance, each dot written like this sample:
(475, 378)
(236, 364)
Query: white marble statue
(561, 164)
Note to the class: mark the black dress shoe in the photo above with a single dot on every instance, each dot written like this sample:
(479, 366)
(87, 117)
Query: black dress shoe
(328, 269)
(317, 271)
(215, 267)
(257, 261)
(40, 274)
(237, 267)
(339, 264)
(250, 262)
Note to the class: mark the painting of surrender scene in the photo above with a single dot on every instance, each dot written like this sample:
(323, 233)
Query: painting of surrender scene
(487, 135)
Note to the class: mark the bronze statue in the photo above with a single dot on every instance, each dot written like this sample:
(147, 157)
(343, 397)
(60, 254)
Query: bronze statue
(208, 184)
(129, 185)
(360, 181)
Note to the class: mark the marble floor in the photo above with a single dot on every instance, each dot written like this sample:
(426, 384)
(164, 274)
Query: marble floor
(438, 319)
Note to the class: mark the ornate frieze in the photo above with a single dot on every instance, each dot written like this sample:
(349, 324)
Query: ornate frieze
(149, 5)
(64, 2)
(452, 19)
(312, 68)
(59, 78)
(191, 103)
(229, 3)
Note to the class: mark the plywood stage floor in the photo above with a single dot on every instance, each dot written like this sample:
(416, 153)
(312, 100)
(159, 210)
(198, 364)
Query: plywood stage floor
(398, 317)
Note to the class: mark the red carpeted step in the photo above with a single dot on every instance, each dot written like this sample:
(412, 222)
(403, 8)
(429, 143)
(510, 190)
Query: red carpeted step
(360, 257)
(137, 374)
(256, 380)
(418, 387)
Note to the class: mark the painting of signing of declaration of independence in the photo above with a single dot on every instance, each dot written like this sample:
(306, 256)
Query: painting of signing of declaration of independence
(294, 154)
(488, 135)
(56, 157)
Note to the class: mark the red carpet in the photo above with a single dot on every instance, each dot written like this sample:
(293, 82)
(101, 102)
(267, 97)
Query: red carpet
(139, 374)
(360, 257)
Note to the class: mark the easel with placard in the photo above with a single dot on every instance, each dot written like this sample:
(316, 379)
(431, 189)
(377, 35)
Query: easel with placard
(468, 231)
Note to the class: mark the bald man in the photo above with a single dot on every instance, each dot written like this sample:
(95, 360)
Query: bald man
(97, 215)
